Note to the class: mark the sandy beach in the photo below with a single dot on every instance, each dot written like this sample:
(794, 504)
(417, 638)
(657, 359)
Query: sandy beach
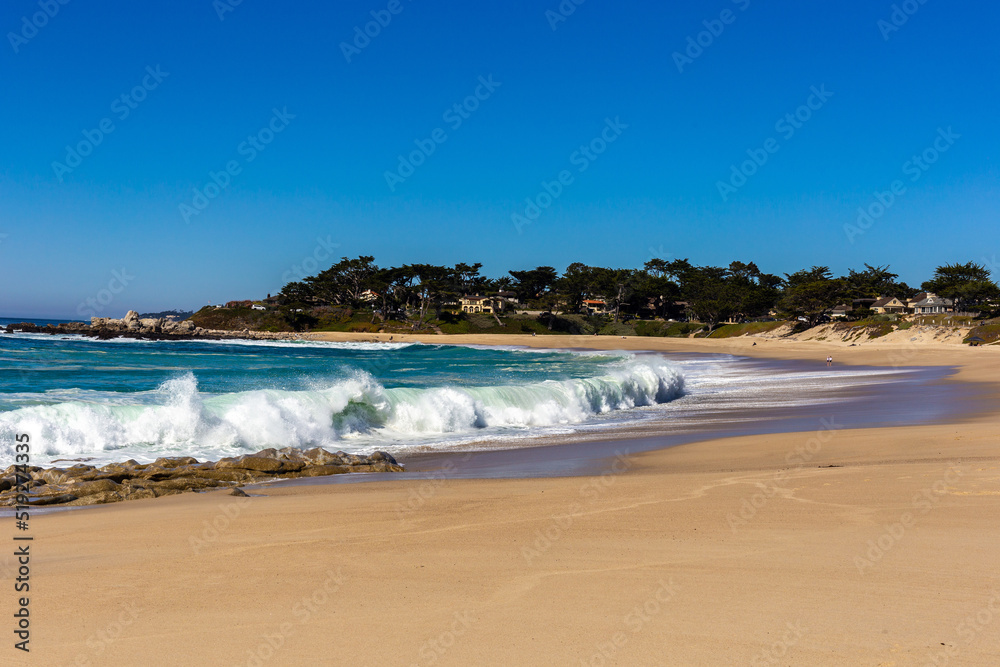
(828, 547)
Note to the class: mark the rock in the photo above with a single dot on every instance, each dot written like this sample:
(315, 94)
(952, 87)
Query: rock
(239, 492)
(97, 486)
(229, 475)
(83, 484)
(175, 462)
(79, 469)
(102, 498)
(131, 320)
(55, 499)
(138, 494)
(382, 456)
(251, 462)
(323, 470)
(319, 456)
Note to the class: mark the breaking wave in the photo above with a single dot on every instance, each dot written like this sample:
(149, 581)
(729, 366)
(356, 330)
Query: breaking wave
(177, 418)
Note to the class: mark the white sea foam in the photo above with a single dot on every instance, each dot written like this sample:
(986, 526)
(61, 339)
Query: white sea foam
(177, 418)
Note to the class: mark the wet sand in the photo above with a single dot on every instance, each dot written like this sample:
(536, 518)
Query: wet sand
(826, 546)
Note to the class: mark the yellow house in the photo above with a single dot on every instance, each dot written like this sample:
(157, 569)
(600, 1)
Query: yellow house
(889, 305)
(481, 304)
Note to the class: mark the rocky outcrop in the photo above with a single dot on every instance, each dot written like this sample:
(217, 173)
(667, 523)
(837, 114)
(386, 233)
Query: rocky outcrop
(83, 484)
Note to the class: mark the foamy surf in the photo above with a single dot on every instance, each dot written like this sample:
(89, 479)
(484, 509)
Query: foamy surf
(356, 413)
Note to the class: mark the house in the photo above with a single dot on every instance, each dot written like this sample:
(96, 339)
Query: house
(933, 305)
(913, 300)
(481, 304)
(368, 296)
(840, 311)
(509, 297)
(595, 307)
(889, 305)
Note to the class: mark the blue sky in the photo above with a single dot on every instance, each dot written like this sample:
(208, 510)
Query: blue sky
(334, 125)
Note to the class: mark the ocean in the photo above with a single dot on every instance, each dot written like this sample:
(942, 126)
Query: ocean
(120, 399)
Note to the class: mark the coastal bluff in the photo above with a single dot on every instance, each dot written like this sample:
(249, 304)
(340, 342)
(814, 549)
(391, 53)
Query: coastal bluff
(81, 484)
(132, 326)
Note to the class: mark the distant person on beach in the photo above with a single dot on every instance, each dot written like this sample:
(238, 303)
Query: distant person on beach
(829, 361)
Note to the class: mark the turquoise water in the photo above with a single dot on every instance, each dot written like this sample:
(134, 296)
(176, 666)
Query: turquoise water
(114, 400)
(140, 399)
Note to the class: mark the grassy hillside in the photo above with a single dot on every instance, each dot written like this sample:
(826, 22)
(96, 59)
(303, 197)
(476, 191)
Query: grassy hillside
(746, 329)
(237, 319)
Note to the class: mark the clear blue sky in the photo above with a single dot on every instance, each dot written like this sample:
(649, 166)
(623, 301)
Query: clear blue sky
(653, 192)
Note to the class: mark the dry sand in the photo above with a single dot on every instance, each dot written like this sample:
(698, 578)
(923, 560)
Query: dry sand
(733, 551)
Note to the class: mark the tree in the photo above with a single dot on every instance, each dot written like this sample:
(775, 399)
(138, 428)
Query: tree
(297, 294)
(436, 285)
(810, 293)
(575, 285)
(754, 293)
(707, 290)
(874, 282)
(968, 285)
(534, 283)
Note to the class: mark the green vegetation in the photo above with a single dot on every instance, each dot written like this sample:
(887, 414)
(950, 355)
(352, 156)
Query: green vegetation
(667, 329)
(989, 332)
(663, 298)
(747, 329)
(237, 319)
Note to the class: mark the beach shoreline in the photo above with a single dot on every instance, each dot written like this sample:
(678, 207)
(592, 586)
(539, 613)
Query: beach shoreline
(828, 546)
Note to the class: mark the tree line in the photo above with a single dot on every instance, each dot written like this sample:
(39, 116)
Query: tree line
(710, 294)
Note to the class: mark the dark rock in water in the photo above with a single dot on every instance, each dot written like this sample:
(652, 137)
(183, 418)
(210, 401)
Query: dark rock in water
(83, 484)
(259, 462)
(175, 462)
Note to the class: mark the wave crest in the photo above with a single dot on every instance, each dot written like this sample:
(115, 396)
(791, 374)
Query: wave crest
(176, 417)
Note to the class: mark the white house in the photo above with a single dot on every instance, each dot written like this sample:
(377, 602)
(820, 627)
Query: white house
(933, 305)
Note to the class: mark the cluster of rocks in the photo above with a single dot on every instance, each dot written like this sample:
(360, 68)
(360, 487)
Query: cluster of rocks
(132, 326)
(82, 484)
